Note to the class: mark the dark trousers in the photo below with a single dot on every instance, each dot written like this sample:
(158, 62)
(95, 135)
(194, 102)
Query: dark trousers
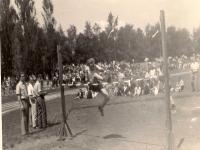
(41, 113)
(25, 117)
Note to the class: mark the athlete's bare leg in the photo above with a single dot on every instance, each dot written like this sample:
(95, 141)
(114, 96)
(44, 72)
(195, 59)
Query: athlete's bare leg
(105, 101)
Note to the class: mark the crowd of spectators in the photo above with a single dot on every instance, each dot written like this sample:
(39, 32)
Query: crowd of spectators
(121, 78)
(8, 85)
(132, 79)
(182, 63)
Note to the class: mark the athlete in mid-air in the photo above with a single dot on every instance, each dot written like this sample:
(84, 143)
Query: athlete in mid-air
(95, 84)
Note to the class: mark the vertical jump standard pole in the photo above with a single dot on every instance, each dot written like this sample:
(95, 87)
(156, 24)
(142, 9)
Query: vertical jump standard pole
(0, 30)
(1, 146)
(170, 138)
(64, 127)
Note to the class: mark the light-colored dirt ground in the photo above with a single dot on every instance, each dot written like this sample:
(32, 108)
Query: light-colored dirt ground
(132, 125)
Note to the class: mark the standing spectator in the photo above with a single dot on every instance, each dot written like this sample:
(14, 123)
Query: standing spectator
(41, 107)
(13, 84)
(22, 96)
(8, 85)
(64, 78)
(3, 86)
(181, 82)
(47, 80)
(33, 101)
(195, 73)
(57, 79)
(54, 81)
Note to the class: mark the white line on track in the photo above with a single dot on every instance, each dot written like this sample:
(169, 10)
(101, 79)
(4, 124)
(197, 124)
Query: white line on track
(11, 106)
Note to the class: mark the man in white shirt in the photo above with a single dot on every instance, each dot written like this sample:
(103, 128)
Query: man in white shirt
(22, 96)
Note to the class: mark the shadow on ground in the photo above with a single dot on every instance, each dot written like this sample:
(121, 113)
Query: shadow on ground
(112, 136)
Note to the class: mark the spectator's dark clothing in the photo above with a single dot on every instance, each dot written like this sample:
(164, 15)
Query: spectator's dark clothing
(41, 112)
(25, 116)
(89, 94)
(146, 90)
(120, 91)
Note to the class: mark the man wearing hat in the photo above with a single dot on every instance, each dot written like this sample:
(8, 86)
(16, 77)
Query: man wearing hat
(95, 82)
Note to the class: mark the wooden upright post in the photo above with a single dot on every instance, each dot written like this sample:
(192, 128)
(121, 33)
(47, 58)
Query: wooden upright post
(0, 40)
(0, 48)
(170, 138)
(0, 79)
(64, 127)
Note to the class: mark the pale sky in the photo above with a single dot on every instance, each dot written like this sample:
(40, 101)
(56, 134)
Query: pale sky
(180, 13)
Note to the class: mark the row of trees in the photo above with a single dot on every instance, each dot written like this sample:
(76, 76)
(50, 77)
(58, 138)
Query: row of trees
(26, 46)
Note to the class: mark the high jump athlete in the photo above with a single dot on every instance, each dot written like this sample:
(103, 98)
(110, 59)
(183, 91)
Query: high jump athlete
(95, 82)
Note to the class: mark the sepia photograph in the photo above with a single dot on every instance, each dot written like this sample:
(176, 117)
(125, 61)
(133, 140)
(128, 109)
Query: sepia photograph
(100, 74)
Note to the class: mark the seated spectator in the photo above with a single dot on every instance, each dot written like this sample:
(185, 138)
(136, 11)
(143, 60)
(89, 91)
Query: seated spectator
(126, 89)
(89, 94)
(132, 86)
(80, 94)
(137, 90)
(181, 82)
(146, 88)
(141, 84)
(155, 91)
(156, 84)
(120, 91)
(177, 88)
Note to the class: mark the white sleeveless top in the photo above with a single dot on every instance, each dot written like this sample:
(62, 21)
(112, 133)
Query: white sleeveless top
(93, 74)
